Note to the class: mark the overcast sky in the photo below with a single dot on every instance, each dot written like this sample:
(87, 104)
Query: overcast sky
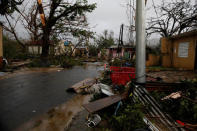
(110, 14)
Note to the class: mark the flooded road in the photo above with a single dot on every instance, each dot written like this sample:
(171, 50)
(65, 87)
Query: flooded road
(23, 97)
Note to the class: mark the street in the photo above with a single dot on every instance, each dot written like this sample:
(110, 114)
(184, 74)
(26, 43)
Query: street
(23, 97)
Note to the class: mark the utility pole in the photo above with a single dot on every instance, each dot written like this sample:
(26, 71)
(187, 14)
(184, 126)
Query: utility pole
(140, 42)
(41, 11)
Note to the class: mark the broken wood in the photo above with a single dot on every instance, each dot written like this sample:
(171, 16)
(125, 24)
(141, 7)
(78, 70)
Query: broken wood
(102, 103)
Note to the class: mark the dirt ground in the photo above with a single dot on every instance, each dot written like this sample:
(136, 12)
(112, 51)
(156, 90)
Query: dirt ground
(173, 76)
(58, 118)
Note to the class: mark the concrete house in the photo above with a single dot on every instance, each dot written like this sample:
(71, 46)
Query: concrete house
(35, 47)
(180, 51)
(124, 51)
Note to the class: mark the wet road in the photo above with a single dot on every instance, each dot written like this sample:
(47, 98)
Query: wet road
(25, 96)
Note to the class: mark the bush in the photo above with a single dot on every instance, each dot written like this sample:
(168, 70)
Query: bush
(12, 50)
(39, 63)
(122, 62)
(93, 51)
(106, 78)
(116, 62)
(129, 119)
(63, 61)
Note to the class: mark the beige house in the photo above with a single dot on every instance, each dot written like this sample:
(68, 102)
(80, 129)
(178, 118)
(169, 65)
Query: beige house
(180, 51)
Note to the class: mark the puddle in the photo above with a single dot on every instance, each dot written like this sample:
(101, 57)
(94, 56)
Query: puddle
(58, 118)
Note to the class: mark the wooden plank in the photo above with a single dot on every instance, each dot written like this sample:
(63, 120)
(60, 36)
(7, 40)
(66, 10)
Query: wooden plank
(102, 103)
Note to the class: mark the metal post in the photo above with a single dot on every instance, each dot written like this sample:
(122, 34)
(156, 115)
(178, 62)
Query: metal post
(140, 42)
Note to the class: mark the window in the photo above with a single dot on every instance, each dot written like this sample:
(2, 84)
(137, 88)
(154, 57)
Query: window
(183, 50)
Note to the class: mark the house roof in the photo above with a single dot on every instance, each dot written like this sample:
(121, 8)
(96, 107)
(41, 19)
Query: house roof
(185, 34)
(116, 46)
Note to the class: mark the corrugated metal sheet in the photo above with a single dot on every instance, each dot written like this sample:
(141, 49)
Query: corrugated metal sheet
(161, 120)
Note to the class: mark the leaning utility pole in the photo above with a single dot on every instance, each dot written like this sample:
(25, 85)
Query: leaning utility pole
(140, 42)
(41, 11)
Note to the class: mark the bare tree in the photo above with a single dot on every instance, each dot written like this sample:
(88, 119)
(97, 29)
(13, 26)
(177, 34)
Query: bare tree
(31, 23)
(173, 18)
(26, 18)
(12, 21)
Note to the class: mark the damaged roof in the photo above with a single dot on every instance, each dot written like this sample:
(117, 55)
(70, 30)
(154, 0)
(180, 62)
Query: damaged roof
(185, 34)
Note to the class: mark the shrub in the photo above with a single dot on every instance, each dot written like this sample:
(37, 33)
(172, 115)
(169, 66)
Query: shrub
(63, 61)
(12, 50)
(129, 119)
(93, 51)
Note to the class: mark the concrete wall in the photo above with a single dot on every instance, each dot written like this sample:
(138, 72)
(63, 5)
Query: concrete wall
(166, 51)
(170, 49)
(153, 60)
(1, 46)
(188, 62)
(35, 50)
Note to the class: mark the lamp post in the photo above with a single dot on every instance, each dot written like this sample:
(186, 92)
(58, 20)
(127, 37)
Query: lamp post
(140, 42)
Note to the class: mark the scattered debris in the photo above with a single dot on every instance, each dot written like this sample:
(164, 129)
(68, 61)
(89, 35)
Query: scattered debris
(80, 86)
(187, 125)
(105, 89)
(93, 120)
(107, 92)
(150, 124)
(93, 89)
(118, 106)
(174, 95)
(163, 120)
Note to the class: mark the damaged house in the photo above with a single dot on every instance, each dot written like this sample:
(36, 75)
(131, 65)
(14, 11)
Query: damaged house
(180, 51)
